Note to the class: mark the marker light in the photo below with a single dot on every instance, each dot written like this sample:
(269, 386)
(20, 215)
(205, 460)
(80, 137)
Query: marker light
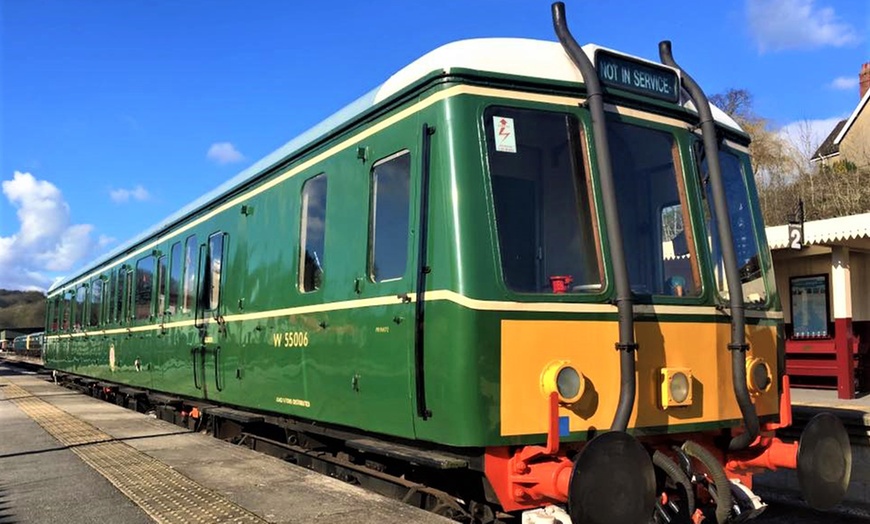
(676, 387)
(758, 376)
(561, 377)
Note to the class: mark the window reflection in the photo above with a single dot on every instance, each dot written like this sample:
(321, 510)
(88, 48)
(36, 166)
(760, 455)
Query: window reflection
(312, 233)
(742, 231)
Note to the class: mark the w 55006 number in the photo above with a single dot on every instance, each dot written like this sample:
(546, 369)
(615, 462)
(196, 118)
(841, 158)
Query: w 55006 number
(290, 339)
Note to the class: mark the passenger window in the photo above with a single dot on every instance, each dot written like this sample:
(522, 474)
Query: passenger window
(144, 287)
(176, 271)
(121, 295)
(81, 300)
(190, 260)
(215, 261)
(388, 224)
(66, 306)
(312, 234)
(131, 296)
(161, 285)
(52, 315)
(109, 299)
(96, 301)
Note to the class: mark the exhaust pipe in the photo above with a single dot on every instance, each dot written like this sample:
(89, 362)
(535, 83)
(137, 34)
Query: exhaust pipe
(624, 304)
(738, 345)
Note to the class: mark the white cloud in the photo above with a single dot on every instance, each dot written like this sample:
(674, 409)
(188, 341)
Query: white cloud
(844, 82)
(778, 25)
(119, 196)
(105, 240)
(224, 153)
(45, 241)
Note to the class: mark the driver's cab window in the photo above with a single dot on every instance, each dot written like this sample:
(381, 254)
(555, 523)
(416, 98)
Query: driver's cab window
(312, 233)
(652, 211)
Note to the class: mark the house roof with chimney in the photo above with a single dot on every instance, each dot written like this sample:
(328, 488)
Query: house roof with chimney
(854, 116)
(830, 147)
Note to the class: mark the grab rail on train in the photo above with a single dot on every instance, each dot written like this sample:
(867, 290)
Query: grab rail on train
(626, 344)
(738, 346)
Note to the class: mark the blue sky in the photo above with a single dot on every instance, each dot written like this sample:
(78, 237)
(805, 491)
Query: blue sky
(113, 115)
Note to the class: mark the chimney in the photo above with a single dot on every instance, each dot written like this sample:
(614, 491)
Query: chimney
(864, 79)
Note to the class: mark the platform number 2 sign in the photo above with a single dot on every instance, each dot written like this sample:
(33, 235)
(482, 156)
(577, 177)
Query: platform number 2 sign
(795, 236)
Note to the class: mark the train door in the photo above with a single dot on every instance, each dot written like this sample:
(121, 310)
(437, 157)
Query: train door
(384, 370)
(208, 372)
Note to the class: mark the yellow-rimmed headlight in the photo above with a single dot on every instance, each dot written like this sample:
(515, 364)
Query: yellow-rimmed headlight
(758, 376)
(565, 380)
(676, 387)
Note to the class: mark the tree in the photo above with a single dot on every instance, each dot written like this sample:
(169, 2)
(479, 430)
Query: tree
(21, 309)
(773, 159)
(784, 173)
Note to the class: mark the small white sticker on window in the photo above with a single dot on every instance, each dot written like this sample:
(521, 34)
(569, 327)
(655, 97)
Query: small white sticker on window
(505, 137)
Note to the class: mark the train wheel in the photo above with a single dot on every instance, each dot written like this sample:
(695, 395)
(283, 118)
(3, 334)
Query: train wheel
(613, 480)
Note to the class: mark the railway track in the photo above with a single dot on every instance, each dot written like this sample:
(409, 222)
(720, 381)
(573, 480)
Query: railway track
(430, 483)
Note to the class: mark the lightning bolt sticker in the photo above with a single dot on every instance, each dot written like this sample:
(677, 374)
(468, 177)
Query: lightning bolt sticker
(505, 134)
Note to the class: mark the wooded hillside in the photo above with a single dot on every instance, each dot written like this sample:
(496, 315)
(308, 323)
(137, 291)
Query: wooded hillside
(21, 309)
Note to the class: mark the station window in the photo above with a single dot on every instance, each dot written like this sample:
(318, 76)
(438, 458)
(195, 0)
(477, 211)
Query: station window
(161, 285)
(190, 261)
(176, 273)
(144, 287)
(215, 262)
(96, 301)
(312, 235)
(388, 233)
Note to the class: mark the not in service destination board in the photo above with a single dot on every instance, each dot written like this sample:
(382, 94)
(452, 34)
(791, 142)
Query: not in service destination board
(638, 77)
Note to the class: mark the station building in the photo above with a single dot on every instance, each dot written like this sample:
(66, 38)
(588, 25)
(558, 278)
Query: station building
(823, 274)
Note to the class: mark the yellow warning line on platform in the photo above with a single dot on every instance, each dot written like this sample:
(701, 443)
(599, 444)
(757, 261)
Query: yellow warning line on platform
(163, 493)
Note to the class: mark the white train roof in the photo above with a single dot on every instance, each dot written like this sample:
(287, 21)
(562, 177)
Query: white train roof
(511, 56)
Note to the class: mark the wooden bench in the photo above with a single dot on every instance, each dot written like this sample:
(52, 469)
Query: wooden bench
(813, 362)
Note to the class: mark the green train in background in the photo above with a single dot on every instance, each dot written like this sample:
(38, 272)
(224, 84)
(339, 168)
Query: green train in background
(448, 264)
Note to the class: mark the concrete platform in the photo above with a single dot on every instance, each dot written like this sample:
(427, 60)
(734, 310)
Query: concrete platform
(68, 457)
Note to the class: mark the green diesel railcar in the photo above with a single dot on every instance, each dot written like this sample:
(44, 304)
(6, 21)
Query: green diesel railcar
(434, 264)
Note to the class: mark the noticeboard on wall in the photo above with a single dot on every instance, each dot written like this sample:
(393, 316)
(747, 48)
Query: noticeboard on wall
(809, 306)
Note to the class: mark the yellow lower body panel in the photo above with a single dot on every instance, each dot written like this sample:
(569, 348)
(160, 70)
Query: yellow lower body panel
(529, 347)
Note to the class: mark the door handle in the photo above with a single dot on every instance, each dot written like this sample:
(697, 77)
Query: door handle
(193, 352)
(217, 381)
